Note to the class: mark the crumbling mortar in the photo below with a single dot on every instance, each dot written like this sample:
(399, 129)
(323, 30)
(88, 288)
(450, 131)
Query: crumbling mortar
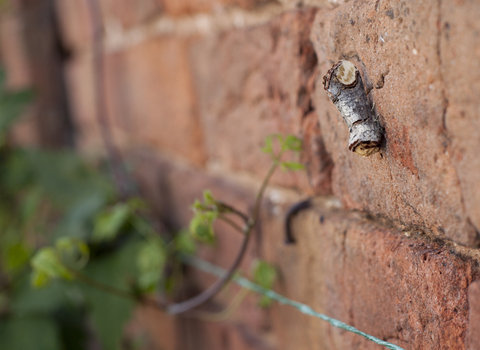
(421, 233)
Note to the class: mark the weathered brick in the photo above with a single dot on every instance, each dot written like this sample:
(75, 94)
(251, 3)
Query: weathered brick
(15, 63)
(413, 180)
(317, 161)
(473, 333)
(459, 50)
(130, 12)
(14, 56)
(185, 7)
(74, 23)
(81, 93)
(408, 291)
(151, 97)
(148, 94)
(252, 83)
(161, 328)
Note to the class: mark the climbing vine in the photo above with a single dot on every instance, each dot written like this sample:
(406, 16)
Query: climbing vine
(74, 251)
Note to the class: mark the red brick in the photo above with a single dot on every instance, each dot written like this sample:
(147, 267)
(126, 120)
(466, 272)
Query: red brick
(81, 93)
(408, 291)
(185, 7)
(460, 51)
(151, 97)
(473, 333)
(252, 83)
(15, 63)
(317, 161)
(13, 53)
(130, 12)
(75, 25)
(413, 180)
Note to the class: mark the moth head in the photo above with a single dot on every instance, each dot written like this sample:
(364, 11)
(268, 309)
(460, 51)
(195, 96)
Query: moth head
(366, 149)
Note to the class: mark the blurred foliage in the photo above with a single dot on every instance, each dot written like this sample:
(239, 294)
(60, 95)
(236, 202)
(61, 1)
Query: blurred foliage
(73, 255)
(64, 233)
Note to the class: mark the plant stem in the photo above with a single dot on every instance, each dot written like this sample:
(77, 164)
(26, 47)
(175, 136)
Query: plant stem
(115, 291)
(231, 223)
(263, 187)
(233, 210)
(210, 292)
(225, 313)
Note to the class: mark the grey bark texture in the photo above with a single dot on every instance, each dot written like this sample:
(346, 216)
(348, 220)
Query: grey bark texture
(344, 86)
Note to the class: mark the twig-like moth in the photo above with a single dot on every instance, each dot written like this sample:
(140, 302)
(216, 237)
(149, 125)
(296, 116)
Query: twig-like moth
(344, 86)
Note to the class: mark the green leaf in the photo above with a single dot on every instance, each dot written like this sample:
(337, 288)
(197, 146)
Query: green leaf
(30, 204)
(47, 265)
(293, 166)
(29, 333)
(40, 279)
(264, 274)
(27, 300)
(151, 260)
(292, 143)
(197, 206)
(17, 255)
(136, 203)
(268, 148)
(201, 226)
(208, 199)
(184, 242)
(73, 251)
(110, 313)
(108, 223)
(11, 107)
(265, 302)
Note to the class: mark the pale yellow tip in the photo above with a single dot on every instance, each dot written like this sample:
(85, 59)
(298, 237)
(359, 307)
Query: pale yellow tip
(346, 73)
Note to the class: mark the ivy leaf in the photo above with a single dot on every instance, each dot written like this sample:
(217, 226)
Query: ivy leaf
(108, 223)
(46, 266)
(293, 166)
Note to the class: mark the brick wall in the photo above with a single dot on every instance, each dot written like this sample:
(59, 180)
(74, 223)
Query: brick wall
(194, 86)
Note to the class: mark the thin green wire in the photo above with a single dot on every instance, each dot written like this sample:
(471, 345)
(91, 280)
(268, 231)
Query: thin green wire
(305, 309)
